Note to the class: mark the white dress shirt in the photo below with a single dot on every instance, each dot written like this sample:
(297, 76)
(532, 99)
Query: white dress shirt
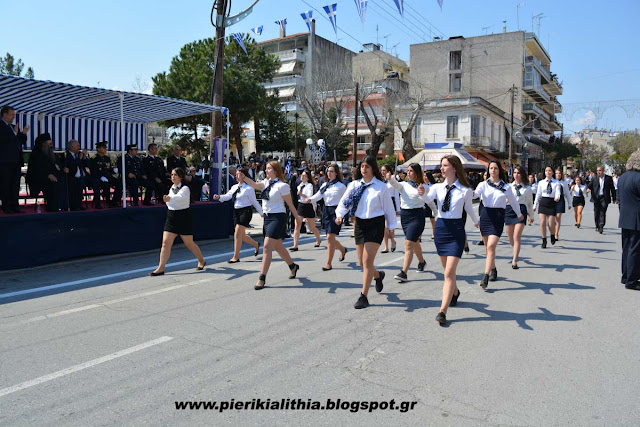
(307, 191)
(275, 204)
(601, 192)
(332, 196)
(576, 190)
(461, 198)
(494, 198)
(395, 194)
(409, 196)
(566, 193)
(534, 187)
(525, 198)
(180, 200)
(542, 191)
(375, 202)
(246, 196)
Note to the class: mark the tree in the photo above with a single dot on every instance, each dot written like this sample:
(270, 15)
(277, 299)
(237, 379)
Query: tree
(625, 145)
(11, 67)
(592, 155)
(408, 106)
(274, 130)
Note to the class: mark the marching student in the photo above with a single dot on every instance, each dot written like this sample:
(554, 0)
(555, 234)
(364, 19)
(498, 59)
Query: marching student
(495, 192)
(331, 191)
(244, 200)
(306, 210)
(428, 212)
(179, 222)
(565, 200)
(547, 197)
(413, 197)
(453, 196)
(275, 193)
(578, 192)
(515, 227)
(386, 172)
(369, 200)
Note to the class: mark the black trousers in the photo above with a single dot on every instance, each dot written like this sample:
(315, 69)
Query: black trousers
(75, 187)
(630, 256)
(51, 192)
(9, 186)
(600, 212)
(150, 185)
(133, 187)
(112, 182)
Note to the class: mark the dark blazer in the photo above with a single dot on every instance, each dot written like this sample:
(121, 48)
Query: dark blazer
(629, 194)
(74, 164)
(11, 145)
(609, 190)
(173, 162)
(40, 167)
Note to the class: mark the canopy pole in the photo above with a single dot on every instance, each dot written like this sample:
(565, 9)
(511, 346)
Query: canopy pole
(228, 150)
(122, 173)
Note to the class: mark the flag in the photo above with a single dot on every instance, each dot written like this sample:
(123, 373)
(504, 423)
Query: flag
(323, 147)
(287, 169)
(400, 4)
(590, 134)
(440, 4)
(362, 8)
(307, 18)
(601, 133)
(238, 38)
(257, 30)
(331, 13)
(580, 134)
(283, 24)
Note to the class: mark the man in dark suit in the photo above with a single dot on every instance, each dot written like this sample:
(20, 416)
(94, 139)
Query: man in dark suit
(176, 161)
(629, 222)
(75, 165)
(11, 160)
(154, 176)
(602, 192)
(133, 173)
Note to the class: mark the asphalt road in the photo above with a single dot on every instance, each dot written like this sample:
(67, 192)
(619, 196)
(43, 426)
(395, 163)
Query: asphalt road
(97, 342)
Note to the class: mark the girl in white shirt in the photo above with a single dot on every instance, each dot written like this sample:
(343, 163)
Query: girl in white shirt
(331, 192)
(547, 197)
(179, 222)
(244, 200)
(386, 172)
(578, 193)
(306, 210)
(368, 199)
(275, 193)
(565, 200)
(515, 227)
(453, 196)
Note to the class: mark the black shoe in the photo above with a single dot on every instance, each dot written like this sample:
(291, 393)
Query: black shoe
(422, 265)
(154, 274)
(544, 242)
(316, 246)
(384, 252)
(379, 284)
(553, 240)
(633, 287)
(294, 271)
(293, 249)
(393, 249)
(203, 265)
(97, 206)
(454, 299)
(480, 243)
(484, 282)
(578, 225)
(257, 251)
(326, 269)
(441, 318)
(493, 276)
(145, 203)
(362, 302)
(402, 276)
(343, 255)
(466, 249)
(600, 230)
(263, 279)
(231, 261)
(515, 266)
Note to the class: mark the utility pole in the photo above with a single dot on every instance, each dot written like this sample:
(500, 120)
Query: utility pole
(513, 96)
(354, 150)
(221, 7)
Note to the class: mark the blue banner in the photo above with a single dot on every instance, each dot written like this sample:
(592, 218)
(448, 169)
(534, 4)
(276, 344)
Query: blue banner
(307, 16)
(331, 11)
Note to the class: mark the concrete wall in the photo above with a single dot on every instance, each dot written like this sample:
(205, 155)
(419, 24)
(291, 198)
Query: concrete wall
(371, 67)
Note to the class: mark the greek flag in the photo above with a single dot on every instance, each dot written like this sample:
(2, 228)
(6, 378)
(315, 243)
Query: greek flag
(601, 133)
(362, 8)
(287, 169)
(283, 24)
(257, 30)
(400, 4)
(238, 38)
(440, 4)
(331, 13)
(323, 147)
(307, 18)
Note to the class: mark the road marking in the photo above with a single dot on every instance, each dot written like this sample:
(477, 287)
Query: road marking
(80, 367)
(122, 273)
(391, 262)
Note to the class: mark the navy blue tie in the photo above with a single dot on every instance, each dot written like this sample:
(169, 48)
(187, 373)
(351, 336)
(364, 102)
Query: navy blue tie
(499, 186)
(447, 198)
(326, 187)
(518, 187)
(264, 195)
(353, 200)
(549, 188)
(413, 184)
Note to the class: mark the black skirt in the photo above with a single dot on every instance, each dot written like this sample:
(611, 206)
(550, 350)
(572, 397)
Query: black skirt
(412, 223)
(491, 221)
(179, 222)
(305, 210)
(275, 225)
(428, 213)
(449, 237)
(242, 216)
(369, 230)
(329, 220)
(560, 205)
(578, 201)
(510, 217)
(547, 206)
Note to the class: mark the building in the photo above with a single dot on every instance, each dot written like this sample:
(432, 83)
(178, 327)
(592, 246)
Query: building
(473, 85)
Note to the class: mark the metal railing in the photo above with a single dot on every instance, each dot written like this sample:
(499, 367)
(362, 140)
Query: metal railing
(284, 81)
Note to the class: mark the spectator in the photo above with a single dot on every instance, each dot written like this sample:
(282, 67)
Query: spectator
(76, 168)
(154, 176)
(43, 173)
(11, 161)
(176, 161)
(103, 176)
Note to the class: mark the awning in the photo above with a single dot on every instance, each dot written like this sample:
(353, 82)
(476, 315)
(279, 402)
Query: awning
(484, 158)
(287, 67)
(282, 93)
(429, 159)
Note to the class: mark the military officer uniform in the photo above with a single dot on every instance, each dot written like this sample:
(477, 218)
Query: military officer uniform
(104, 179)
(153, 167)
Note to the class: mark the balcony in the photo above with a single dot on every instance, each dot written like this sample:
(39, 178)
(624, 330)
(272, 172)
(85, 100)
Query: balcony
(278, 82)
(481, 142)
(553, 87)
(290, 106)
(531, 108)
(290, 55)
(532, 85)
(532, 60)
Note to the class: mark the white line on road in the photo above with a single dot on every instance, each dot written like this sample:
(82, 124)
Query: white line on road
(122, 273)
(391, 262)
(80, 367)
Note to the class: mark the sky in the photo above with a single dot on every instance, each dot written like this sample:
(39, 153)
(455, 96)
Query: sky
(121, 44)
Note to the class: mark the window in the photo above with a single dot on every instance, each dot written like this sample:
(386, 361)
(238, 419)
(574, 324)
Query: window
(455, 82)
(484, 126)
(493, 125)
(455, 60)
(475, 126)
(452, 127)
(416, 132)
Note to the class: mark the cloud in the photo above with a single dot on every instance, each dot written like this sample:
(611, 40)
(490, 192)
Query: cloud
(588, 119)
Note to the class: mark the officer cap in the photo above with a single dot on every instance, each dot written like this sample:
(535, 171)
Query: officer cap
(102, 144)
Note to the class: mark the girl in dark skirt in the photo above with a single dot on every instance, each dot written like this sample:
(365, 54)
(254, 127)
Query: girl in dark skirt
(515, 227)
(387, 171)
(547, 197)
(178, 223)
(578, 191)
(428, 212)
(306, 210)
(244, 200)
(369, 200)
(453, 196)
(275, 193)
(565, 201)
(495, 193)
(331, 192)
